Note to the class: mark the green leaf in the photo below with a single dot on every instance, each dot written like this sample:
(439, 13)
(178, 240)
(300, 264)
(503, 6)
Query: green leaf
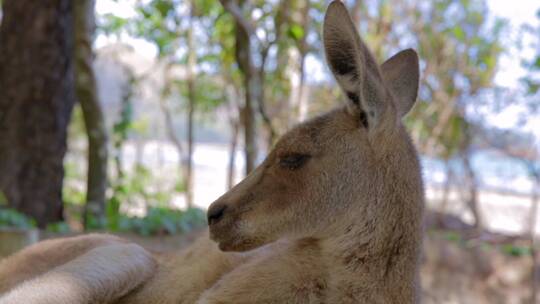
(3, 199)
(296, 32)
(458, 33)
(59, 227)
(453, 236)
(164, 7)
(537, 62)
(112, 24)
(516, 251)
(532, 86)
(180, 186)
(490, 62)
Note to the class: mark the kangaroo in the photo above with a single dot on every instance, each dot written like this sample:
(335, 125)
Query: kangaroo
(332, 215)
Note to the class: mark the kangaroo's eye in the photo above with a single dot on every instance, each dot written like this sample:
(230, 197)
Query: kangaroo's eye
(293, 161)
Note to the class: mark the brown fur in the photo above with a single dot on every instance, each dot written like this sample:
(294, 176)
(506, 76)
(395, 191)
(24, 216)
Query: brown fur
(331, 216)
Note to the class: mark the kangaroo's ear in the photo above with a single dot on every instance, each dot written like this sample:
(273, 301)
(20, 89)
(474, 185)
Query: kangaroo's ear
(353, 66)
(401, 74)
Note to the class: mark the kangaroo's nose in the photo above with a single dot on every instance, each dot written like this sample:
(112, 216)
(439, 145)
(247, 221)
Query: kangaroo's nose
(215, 213)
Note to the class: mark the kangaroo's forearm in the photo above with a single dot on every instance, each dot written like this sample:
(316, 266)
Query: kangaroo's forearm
(102, 275)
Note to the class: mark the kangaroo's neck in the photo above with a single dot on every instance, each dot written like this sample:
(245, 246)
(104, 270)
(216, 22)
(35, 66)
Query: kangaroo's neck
(376, 272)
(379, 256)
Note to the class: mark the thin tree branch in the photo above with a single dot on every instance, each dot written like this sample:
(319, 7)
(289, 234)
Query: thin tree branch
(235, 11)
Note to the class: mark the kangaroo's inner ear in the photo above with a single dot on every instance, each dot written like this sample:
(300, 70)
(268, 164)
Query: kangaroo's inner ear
(401, 75)
(353, 66)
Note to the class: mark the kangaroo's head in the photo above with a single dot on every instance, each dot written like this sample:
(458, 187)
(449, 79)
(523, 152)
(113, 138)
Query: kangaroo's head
(335, 168)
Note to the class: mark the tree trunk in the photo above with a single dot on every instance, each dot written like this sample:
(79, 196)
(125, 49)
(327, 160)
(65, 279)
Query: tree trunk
(96, 184)
(535, 279)
(533, 218)
(259, 80)
(232, 95)
(36, 100)
(171, 134)
(446, 193)
(232, 153)
(303, 48)
(252, 90)
(302, 88)
(190, 145)
(122, 126)
(191, 62)
(472, 197)
(531, 223)
(246, 38)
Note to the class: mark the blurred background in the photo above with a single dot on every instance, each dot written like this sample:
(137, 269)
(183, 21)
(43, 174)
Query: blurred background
(132, 116)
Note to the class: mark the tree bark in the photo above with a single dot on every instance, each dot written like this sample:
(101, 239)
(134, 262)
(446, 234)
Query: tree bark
(232, 95)
(535, 279)
(36, 100)
(304, 47)
(232, 153)
(472, 197)
(171, 134)
(190, 145)
(447, 187)
(245, 39)
(302, 90)
(535, 196)
(86, 90)
(261, 98)
(531, 227)
(251, 85)
(191, 62)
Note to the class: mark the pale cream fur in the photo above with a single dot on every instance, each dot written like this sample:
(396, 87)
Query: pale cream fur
(333, 214)
(113, 270)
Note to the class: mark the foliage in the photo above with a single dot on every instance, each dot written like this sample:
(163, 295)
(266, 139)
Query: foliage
(76, 128)
(3, 199)
(111, 24)
(453, 236)
(124, 124)
(459, 44)
(134, 189)
(531, 80)
(73, 192)
(515, 250)
(73, 195)
(10, 218)
(58, 227)
(507, 249)
(159, 221)
(120, 132)
(453, 36)
(163, 23)
(128, 190)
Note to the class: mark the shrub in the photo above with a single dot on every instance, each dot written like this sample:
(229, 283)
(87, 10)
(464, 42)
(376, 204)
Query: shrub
(163, 221)
(10, 218)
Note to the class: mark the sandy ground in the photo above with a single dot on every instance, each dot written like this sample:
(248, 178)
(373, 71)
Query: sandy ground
(504, 213)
